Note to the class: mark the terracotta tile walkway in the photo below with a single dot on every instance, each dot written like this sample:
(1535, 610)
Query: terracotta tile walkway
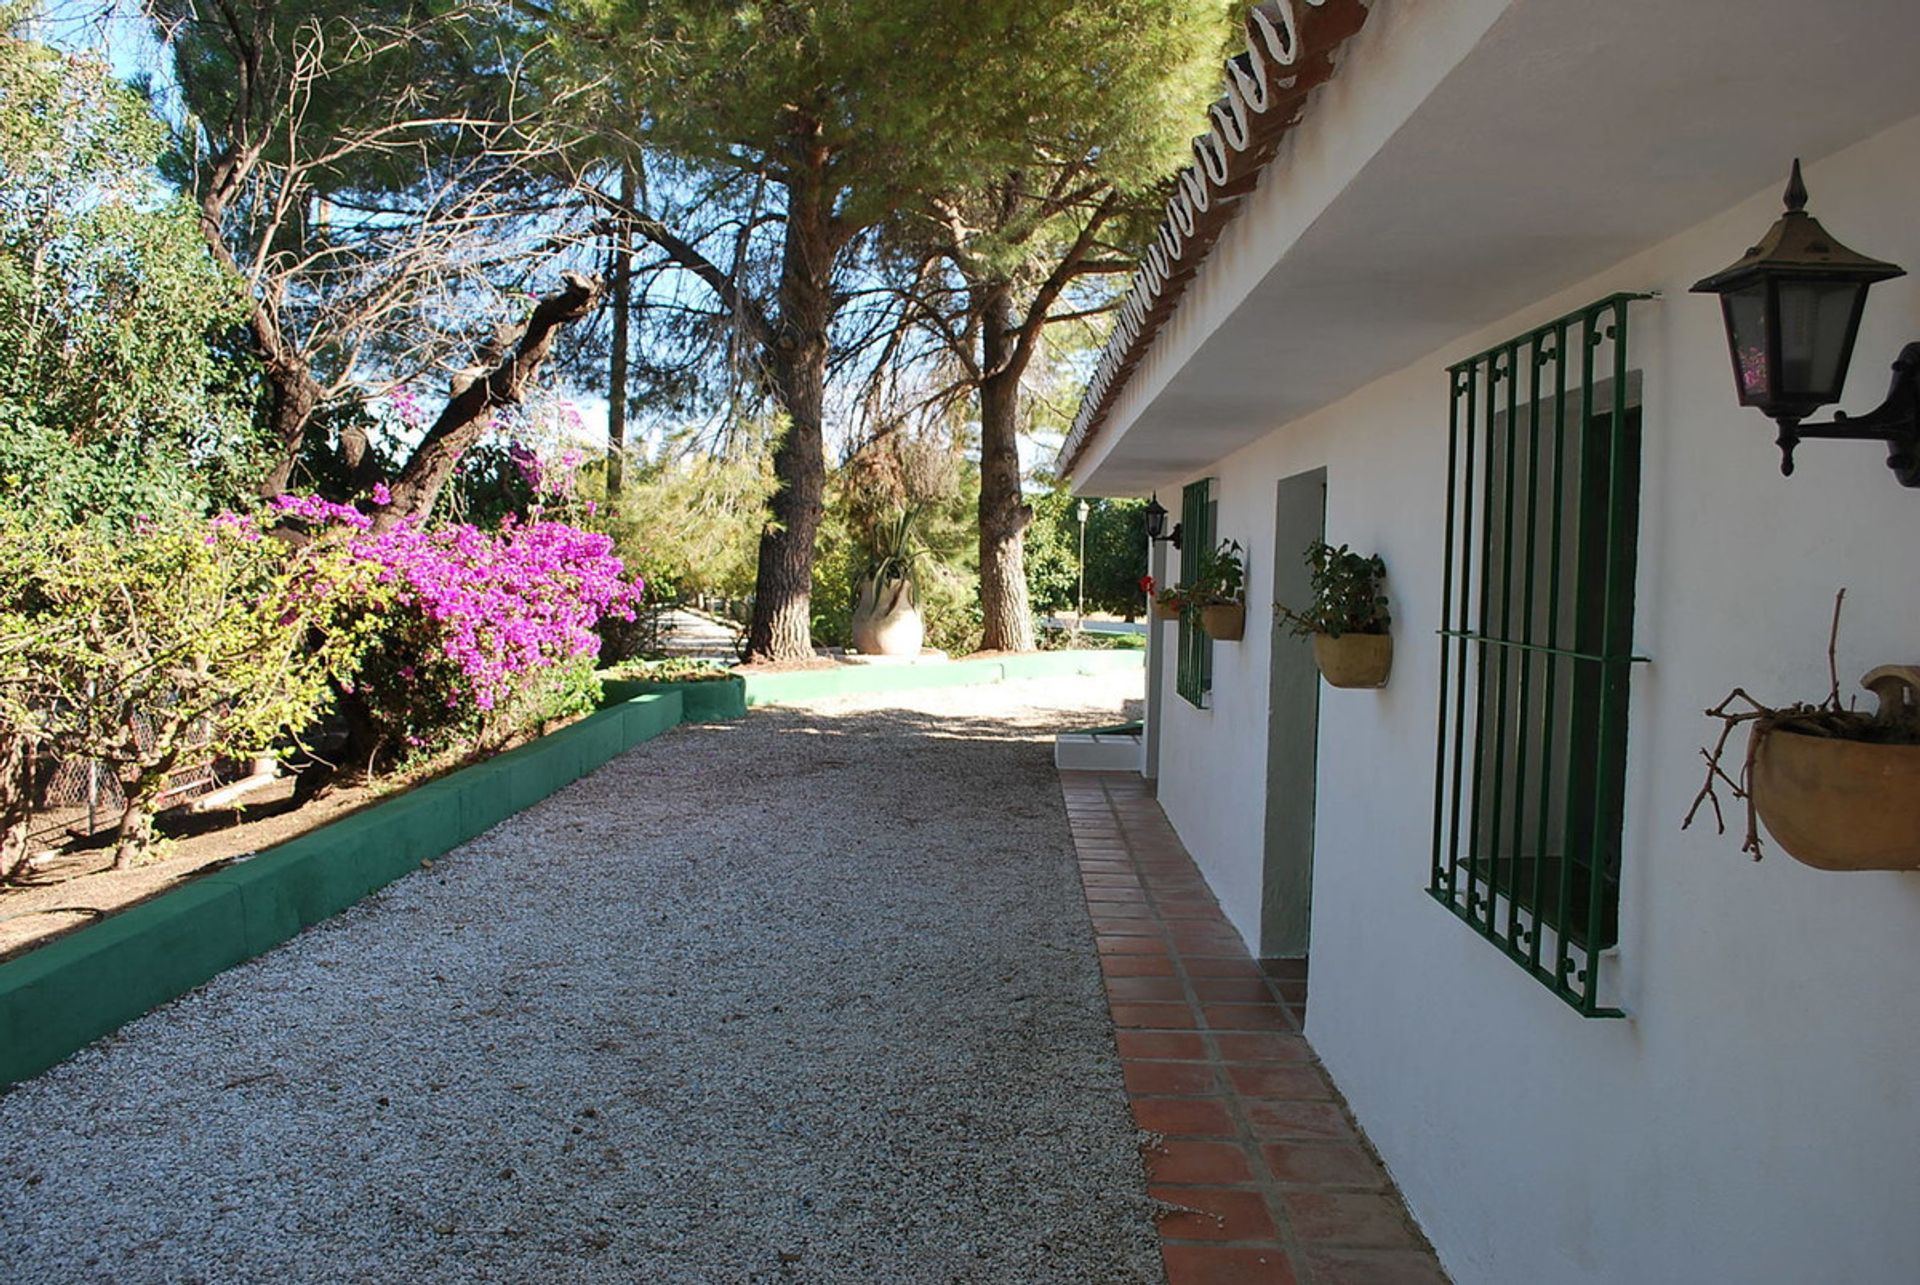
(1259, 1149)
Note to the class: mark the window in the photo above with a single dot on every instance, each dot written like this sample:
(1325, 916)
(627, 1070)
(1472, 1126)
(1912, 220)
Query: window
(1536, 645)
(1193, 676)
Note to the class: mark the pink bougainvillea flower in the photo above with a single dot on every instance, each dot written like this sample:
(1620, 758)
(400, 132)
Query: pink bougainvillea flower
(497, 605)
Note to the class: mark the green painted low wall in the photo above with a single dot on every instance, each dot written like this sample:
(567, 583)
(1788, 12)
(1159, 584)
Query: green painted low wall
(712, 700)
(843, 680)
(65, 995)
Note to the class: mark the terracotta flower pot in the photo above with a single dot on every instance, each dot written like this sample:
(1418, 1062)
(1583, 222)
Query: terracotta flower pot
(1838, 804)
(1166, 611)
(1224, 621)
(885, 620)
(1354, 660)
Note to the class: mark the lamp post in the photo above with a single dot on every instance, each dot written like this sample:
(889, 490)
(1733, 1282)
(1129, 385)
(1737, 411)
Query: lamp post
(1792, 306)
(1080, 614)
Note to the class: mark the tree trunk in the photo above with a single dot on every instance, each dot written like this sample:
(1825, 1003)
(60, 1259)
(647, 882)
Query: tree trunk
(517, 360)
(1006, 616)
(17, 782)
(293, 394)
(135, 835)
(617, 360)
(136, 822)
(782, 626)
(292, 398)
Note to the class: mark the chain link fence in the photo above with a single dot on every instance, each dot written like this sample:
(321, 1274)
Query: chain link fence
(82, 796)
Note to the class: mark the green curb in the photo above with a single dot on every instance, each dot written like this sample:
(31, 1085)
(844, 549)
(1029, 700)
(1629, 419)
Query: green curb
(63, 996)
(710, 700)
(843, 680)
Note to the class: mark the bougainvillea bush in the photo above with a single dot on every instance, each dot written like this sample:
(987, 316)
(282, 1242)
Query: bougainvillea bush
(490, 632)
(218, 637)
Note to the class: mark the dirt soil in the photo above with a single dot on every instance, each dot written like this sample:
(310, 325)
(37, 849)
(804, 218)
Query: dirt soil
(74, 887)
(789, 666)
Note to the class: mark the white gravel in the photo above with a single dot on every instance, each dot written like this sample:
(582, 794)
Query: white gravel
(811, 997)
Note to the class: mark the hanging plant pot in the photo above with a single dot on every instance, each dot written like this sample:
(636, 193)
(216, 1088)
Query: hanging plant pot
(1354, 660)
(1224, 621)
(885, 620)
(1164, 611)
(1839, 804)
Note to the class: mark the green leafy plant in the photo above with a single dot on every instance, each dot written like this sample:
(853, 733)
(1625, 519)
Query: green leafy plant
(893, 550)
(1346, 594)
(114, 403)
(1219, 579)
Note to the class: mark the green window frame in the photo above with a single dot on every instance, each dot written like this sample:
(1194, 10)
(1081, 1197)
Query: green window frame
(1536, 645)
(1193, 672)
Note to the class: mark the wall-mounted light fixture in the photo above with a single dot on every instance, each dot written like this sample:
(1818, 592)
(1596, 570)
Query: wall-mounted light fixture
(1792, 307)
(1157, 523)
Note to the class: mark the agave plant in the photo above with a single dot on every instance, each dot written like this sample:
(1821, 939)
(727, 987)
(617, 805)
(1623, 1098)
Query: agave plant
(893, 551)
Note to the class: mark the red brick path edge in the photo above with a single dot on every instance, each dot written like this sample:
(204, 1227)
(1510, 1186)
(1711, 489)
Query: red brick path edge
(1268, 1178)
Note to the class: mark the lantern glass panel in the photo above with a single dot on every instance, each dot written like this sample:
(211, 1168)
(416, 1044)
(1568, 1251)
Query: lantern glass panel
(1746, 311)
(1815, 318)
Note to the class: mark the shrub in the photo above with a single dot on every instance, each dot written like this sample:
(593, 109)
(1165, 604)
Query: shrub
(113, 402)
(1116, 553)
(676, 670)
(489, 632)
(123, 649)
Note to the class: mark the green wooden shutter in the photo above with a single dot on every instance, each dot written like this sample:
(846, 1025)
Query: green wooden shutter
(1198, 514)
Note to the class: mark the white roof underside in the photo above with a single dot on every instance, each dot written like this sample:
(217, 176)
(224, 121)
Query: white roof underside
(1475, 156)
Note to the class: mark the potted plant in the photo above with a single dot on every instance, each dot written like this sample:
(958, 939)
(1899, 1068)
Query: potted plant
(1838, 788)
(1170, 603)
(1153, 600)
(1347, 618)
(886, 611)
(1218, 589)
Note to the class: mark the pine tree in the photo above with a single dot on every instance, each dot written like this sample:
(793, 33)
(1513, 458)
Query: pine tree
(849, 111)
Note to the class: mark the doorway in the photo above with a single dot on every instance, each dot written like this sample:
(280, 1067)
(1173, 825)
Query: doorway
(1293, 727)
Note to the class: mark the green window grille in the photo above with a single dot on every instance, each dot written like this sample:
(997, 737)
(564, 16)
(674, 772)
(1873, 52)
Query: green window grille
(1536, 645)
(1193, 677)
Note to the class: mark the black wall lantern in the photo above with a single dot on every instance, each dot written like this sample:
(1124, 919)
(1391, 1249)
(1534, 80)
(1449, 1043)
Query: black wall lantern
(1792, 306)
(1157, 523)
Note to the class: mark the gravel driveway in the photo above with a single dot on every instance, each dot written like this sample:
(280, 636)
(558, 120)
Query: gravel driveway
(811, 997)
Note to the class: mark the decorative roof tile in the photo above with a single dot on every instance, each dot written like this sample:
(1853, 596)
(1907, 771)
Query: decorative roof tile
(1290, 50)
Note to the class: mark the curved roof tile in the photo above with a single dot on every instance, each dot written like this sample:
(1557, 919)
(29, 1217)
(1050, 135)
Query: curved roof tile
(1290, 50)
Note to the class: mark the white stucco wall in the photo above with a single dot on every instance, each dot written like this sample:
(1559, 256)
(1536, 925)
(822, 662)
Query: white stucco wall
(1756, 1117)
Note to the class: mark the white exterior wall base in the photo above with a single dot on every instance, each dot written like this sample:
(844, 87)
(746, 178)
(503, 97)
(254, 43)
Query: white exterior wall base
(1755, 1117)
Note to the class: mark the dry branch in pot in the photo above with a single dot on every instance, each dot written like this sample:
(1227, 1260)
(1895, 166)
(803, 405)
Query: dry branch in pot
(1837, 787)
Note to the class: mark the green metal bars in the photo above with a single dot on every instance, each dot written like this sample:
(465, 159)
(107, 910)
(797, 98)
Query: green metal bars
(1193, 673)
(1536, 645)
